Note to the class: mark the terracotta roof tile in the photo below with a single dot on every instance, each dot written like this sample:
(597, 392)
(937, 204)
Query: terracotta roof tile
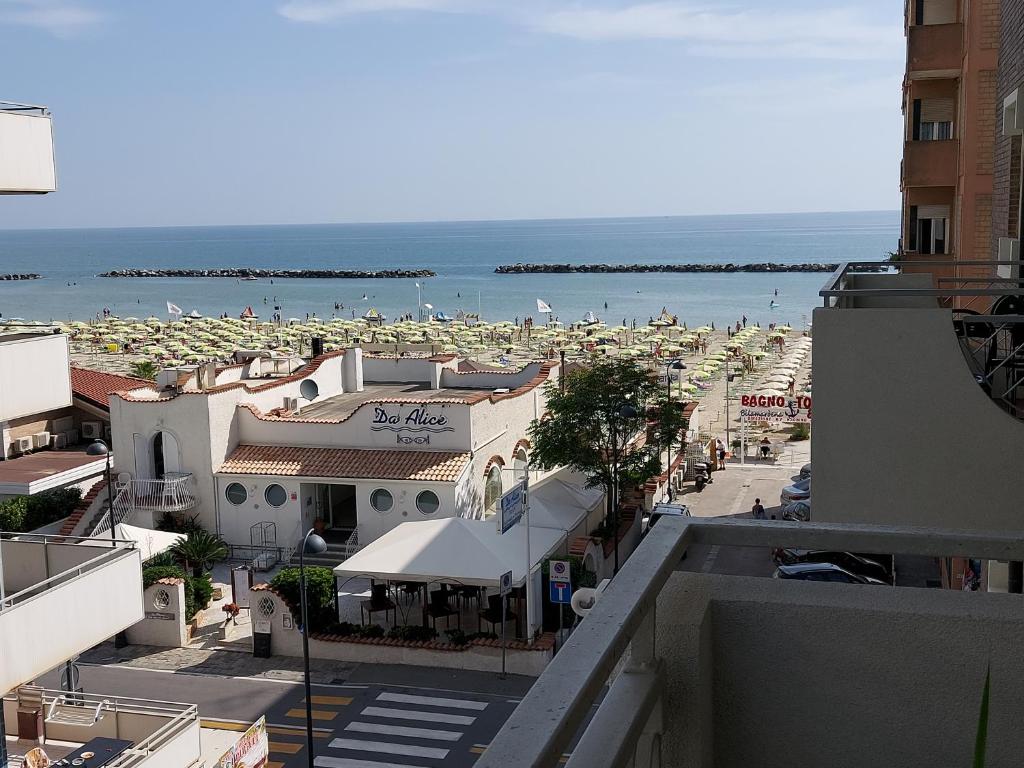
(96, 386)
(290, 461)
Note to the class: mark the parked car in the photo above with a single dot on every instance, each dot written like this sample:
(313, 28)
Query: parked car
(798, 491)
(848, 561)
(666, 510)
(805, 471)
(822, 572)
(798, 511)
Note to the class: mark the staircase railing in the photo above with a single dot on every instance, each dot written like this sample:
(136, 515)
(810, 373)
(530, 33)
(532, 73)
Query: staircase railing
(174, 493)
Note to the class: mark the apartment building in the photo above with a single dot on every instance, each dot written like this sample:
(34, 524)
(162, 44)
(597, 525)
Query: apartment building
(949, 95)
(1007, 189)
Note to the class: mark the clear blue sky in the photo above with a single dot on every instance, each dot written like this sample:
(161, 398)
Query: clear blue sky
(296, 111)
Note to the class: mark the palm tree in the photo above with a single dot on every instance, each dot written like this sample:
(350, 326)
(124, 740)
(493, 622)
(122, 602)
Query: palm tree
(144, 369)
(199, 550)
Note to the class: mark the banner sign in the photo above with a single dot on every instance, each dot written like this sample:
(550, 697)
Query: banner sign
(252, 750)
(512, 506)
(776, 408)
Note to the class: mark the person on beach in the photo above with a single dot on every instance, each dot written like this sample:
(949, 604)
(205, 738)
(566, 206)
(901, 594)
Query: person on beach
(744, 321)
(757, 511)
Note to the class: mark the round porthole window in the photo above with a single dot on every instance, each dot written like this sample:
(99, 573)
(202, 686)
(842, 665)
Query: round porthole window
(265, 606)
(161, 599)
(427, 502)
(275, 495)
(236, 493)
(382, 500)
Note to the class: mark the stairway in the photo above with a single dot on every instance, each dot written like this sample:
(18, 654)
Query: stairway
(89, 501)
(96, 518)
(337, 552)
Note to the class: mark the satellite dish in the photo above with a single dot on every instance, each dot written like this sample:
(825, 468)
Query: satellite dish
(309, 390)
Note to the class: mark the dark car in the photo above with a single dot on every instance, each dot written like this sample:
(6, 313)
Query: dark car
(666, 510)
(848, 561)
(798, 511)
(798, 491)
(822, 572)
(805, 471)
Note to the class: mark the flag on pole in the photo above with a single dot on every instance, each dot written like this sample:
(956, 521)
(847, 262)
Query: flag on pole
(543, 306)
(173, 309)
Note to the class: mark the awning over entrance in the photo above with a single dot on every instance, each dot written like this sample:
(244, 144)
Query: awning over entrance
(453, 550)
(352, 463)
(562, 502)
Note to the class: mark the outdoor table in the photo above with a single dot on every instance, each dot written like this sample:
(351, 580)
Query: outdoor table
(104, 751)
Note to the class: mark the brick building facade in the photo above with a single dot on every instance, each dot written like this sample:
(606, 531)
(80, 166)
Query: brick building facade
(1006, 186)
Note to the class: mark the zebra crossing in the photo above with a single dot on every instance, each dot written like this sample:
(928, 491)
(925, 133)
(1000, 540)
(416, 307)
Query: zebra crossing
(390, 729)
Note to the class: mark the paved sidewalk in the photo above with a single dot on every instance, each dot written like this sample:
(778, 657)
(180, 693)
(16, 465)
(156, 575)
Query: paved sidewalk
(221, 662)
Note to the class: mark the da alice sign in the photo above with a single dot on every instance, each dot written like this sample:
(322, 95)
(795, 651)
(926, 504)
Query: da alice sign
(776, 408)
(411, 426)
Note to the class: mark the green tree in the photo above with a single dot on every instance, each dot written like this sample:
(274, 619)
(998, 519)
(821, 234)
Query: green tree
(597, 425)
(144, 369)
(200, 550)
(319, 593)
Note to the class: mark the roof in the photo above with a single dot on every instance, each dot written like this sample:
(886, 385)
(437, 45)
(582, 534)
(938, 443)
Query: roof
(290, 461)
(96, 386)
(452, 549)
(47, 469)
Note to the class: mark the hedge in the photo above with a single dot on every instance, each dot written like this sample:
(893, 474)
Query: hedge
(26, 513)
(319, 593)
(198, 591)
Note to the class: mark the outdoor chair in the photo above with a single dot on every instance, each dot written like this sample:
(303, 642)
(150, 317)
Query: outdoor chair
(492, 614)
(439, 608)
(379, 601)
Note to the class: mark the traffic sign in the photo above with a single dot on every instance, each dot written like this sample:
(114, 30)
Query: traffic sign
(506, 583)
(560, 592)
(558, 570)
(512, 506)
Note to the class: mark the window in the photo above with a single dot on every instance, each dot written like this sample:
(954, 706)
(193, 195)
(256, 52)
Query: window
(427, 502)
(382, 500)
(492, 490)
(928, 228)
(236, 493)
(275, 495)
(937, 130)
(520, 462)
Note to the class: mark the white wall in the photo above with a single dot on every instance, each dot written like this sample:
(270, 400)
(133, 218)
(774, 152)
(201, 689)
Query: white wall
(398, 369)
(26, 153)
(34, 372)
(156, 629)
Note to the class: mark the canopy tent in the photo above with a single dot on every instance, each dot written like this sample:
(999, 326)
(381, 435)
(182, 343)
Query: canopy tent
(561, 503)
(454, 550)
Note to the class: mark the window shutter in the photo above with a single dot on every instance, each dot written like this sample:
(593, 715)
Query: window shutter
(933, 211)
(937, 110)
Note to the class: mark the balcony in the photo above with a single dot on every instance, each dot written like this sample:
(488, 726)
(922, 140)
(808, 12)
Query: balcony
(61, 595)
(26, 150)
(162, 733)
(174, 493)
(934, 50)
(930, 163)
(700, 670)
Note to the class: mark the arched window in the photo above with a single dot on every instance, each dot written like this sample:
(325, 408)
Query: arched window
(492, 490)
(165, 454)
(520, 461)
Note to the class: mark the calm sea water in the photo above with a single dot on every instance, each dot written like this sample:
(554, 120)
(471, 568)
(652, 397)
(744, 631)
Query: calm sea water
(463, 254)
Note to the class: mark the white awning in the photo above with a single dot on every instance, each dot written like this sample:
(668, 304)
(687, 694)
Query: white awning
(148, 541)
(453, 550)
(562, 502)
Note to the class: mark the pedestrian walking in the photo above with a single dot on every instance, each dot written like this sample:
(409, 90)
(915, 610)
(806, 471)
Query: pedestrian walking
(721, 453)
(757, 511)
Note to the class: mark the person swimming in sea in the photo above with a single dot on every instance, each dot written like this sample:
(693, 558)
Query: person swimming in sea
(772, 304)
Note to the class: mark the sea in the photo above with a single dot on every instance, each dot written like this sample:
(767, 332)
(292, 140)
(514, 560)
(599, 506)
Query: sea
(463, 254)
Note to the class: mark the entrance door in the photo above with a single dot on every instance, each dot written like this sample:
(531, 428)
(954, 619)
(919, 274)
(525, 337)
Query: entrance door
(337, 506)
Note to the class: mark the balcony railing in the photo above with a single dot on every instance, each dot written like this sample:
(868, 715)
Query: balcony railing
(174, 493)
(619, 633)
(930, 163)
(934, 47)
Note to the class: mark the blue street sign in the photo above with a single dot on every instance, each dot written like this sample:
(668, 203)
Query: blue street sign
(512, 506)
(560, 592)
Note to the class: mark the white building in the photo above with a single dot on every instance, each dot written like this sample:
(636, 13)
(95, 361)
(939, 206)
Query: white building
(359, 442)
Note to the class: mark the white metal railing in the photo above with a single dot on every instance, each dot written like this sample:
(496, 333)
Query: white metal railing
(628, 725)
(174, 493)
(109, 554)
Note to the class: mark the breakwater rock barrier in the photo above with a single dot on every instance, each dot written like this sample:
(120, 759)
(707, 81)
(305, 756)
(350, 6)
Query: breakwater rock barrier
(25, 276)
(528, 269)
(244, 273)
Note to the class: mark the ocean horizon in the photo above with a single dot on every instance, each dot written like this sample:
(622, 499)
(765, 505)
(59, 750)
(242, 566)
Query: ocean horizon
(462, 253)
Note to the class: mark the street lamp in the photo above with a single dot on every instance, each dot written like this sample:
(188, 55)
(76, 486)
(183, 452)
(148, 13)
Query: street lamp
(312, 544)
(99, 448)
(675, 364)
(626, 411)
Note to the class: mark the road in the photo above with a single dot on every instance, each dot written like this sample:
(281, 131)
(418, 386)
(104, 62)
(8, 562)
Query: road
(381, 717)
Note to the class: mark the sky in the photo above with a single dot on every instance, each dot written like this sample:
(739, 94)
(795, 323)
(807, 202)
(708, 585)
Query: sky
(303, 111)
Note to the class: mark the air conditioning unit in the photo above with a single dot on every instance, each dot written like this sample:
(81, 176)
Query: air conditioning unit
(40, 440)
(71, 437)
(63, 424)
(92, 430)
(1009, 257)
(291, 404)
(21, 445)
(58, 441)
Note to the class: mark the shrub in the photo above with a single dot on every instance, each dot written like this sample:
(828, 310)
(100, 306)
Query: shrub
(152, 574)
(800, 432)
(413, 633)
(342, 628)
(159, 560)
(319, 593)
(197, 591)
(12, 514)
(176, 523)
(456, 636)
(371, 630)
(201, 588)
(481, 636)
(50, 506)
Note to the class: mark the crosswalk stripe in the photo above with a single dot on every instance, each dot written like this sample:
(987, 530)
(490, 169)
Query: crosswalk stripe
(408, 750)
(401, 730)
(288, 748)
(413, 714)
(348, 762)
(433, 701)
(318, 714)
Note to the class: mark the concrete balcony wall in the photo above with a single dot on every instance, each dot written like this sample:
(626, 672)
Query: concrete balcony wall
(86, 603)
(934, 47)
(776, 673)
(903, 434)
(930, 163)
(26, 154)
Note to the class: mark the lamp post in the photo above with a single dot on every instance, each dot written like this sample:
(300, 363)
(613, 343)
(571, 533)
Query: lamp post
(99, 448)
(312, 544)
(675, 364)
(625, 411)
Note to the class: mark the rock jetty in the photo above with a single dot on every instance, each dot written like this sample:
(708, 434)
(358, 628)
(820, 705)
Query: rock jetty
(25, 276)
(527, 269)
(243, 273)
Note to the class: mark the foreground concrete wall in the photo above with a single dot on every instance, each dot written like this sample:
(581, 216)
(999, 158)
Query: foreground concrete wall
(776, 673)
(902, 433)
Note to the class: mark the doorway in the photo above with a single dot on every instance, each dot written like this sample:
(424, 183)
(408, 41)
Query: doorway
(336, 505)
